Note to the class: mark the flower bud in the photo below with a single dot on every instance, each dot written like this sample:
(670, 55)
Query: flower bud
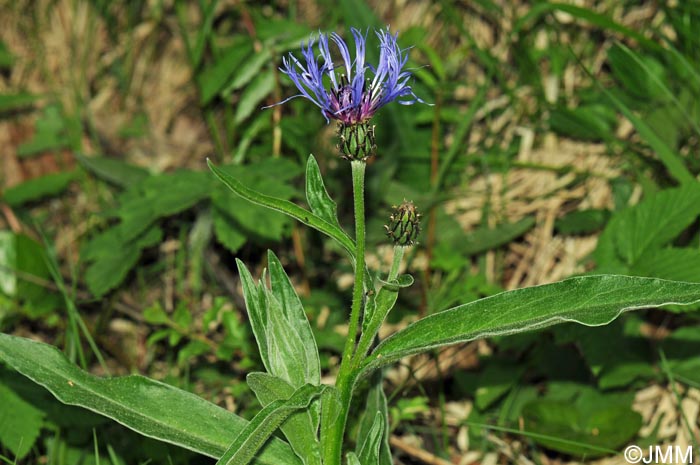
(356, 141)
(404, 224)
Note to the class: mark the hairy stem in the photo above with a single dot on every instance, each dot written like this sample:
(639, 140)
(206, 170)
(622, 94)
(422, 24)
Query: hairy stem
(396, 263)
(346, 376)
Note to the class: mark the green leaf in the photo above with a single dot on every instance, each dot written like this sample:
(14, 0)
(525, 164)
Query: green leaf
(281, 329)
(160, 196)
(301, 427)
(148, 407)
(589, 122)
(368, 451)
(671, 160)
(317, 196)
(298, 326)
(113, 254)
(375, 410)
(588, 300)
(642, 76)
(20, 422)
(651, 224)
(227, 232)
(211, 80)
(377, 308)
(253, 94)
(54, 130)
(674, 263)
(21, 259)
(352, 459)
(38, 188)
(113, 170)
(582, 221)
(602, 21)
(603, 423)
(484, 238)
(10, 102)
(6, 57)
(247, 71)
(286, 207)
(259, 430)
(632, 356)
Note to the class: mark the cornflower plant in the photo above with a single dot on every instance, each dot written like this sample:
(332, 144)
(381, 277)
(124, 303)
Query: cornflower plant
(312, 416)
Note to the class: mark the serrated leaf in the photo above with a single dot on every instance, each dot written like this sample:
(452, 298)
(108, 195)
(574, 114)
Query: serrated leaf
(113, 255)
(148, 407)
(317, 196)
(672, 263)
(301, 427)
(260, 428)
(227, 232)
(20, 422)
(590, 424)
(38, 188)
(658, 219)
(588, 300)
(113, 170)
(160, 196)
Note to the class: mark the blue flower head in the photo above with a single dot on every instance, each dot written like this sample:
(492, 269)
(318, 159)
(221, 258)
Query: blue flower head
(352, 91)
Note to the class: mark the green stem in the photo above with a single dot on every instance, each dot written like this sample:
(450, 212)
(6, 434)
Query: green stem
(396, 263)
(367, 337)
(346, 375)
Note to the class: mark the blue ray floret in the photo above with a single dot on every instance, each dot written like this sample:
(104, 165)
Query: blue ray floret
(353, 91)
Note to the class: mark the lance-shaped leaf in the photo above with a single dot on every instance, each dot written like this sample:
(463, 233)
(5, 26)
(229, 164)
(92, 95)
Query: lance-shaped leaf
(259, 430)
(368, 451)
(288, 208)
(301, 427)
(286, 343)
(318, 219)
(375, 411)
(588, 300)
(148, 407)
(317, 196)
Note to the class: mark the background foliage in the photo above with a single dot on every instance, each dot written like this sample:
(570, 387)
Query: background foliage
(564, 141)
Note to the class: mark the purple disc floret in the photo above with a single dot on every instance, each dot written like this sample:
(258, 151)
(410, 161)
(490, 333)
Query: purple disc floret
(353, 91)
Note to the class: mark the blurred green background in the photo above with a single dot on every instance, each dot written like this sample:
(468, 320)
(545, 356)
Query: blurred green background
(564, 139)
